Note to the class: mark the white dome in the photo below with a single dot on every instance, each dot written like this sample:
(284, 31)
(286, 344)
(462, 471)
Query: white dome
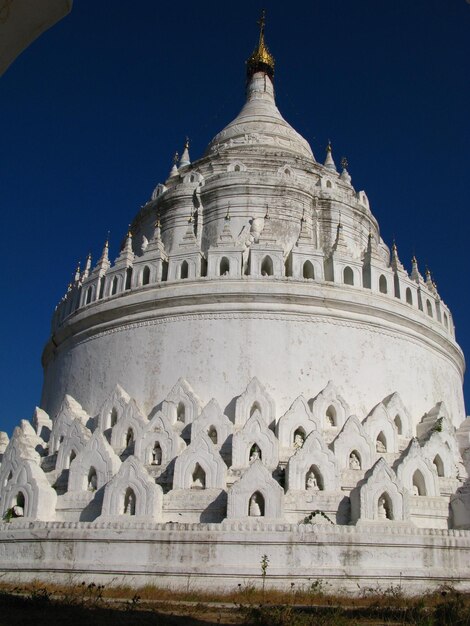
(261, 124)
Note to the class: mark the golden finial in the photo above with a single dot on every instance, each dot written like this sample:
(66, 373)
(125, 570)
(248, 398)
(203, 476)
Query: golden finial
(328, 147)
(129, 232)
(261, 60)
(186, 143)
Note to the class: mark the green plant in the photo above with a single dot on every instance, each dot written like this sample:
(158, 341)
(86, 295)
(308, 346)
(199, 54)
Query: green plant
(264, 569)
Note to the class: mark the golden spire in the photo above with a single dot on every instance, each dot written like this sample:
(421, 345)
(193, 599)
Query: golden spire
(261, 60)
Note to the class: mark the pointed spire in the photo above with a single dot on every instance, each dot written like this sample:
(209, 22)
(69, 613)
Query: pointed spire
(261, 60)
(396, 263)
(86, 271)
(267, 232)
(226, 237)
(185, 160)
(76, 277)
(103, 263)
(329, 163)
(345, 177)
(126, 256)
(174, 169)
(415, 275)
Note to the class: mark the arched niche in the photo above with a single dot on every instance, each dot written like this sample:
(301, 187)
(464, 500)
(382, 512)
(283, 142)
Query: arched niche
(97, 454)
(212, 419)
(314, 453)
(132, 491)
(255, 480)
(297, 419)
(69, 411)
(413, 460)
(75, 440)
(381, 428)
(379, 497)
(29, 489)
(353, 437)
(112, 409)
(158, 434)
(254, 398)
(128, 428)
(181, 405)
(329, 405)
(255, 432)
(201, 452)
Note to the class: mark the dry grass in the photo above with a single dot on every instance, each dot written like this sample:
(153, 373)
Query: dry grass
(91, 604)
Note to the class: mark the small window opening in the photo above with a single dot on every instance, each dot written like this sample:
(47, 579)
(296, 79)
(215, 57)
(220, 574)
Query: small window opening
(419, 486)
(429, 308)
(224, 269)
(255, 407)
(128, 278)
(114, 417)
(383, 287)
(255, 453)
(256, 505)
(92, 479)
(331, 419)
(213, 434)
(157, 454)
(89, 293)
(308, 271)
(198, 478)
(313, 479)
(184, 270)
(384, 507)
(381, 443)
(267, 266)
(348, 276)
(146, 275)
(129, 437)
(355, 460)
(439, 465)
(114, 286)
(398, 424)
(129, 502)
(181, 412)
(409, 296)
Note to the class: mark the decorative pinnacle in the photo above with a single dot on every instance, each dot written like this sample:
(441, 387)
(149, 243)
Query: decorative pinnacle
(227, 216)
(344, 163)
(186, 143)
(261, 60)
(129, 232)
(175, 158)
(266, 217)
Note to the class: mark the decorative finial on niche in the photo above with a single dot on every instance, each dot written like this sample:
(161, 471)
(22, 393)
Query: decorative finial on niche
(227, 216)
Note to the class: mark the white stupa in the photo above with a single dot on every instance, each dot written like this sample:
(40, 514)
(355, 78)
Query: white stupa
(256, 373)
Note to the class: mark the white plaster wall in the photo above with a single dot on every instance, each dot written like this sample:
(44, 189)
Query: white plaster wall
(216, 556)
(292, 348)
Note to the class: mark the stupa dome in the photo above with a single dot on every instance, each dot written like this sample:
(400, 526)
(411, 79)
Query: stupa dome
(260, 124)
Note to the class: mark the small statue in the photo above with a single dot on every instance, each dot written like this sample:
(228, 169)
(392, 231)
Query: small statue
(129, 508)
(354, 462)
(415, 490)
(380, 446)
(157, 455)
(254, 509)
(383, 509)
(255, 453)
(298, 440)
(18, 511)
(213, 435)
(311, 484)
(92, 482)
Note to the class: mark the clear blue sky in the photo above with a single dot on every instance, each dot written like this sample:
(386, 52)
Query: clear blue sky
(93, 111)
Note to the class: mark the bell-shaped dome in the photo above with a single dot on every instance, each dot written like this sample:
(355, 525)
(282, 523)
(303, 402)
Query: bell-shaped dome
(260, 124)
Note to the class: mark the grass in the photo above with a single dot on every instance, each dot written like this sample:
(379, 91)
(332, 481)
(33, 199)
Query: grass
(90, 604)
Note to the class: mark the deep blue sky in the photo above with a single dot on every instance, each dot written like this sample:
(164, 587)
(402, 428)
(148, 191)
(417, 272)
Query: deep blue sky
(93, 111)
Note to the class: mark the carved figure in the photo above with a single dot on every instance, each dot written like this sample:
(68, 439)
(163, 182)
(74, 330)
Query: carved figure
(255, 453)
(415, 490)
(354, 462)
(129, 504)
(298, 440)
(157, 455)
(383, 509)
(18, 511)
(379, 446)
(255, 508)
(311, 484)
(92, 482)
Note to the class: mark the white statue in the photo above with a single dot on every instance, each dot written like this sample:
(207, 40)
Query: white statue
(92, 482)
(415, 490)
(129, 507)
(255, 453)
(298, 440)
(383, 512)
(157, 455)
(354, 462)
(311, 484)
(380, 446)
(255, 509)
(18, 511)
